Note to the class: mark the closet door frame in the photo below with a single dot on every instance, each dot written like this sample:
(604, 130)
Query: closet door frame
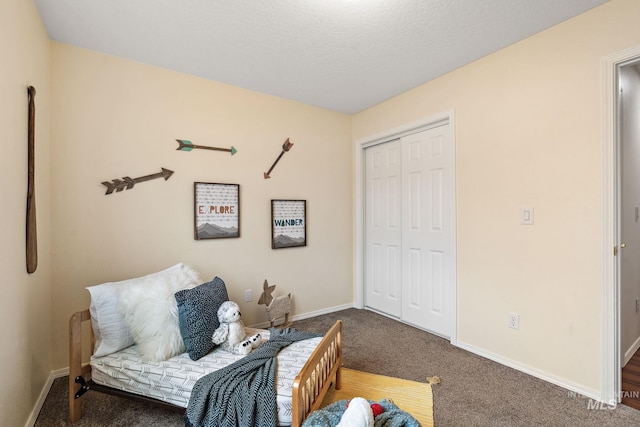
(359, 157)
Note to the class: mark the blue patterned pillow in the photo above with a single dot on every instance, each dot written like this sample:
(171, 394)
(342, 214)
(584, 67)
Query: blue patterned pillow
(198, 315)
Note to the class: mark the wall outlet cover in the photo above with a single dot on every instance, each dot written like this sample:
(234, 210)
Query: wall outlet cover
(514, 321)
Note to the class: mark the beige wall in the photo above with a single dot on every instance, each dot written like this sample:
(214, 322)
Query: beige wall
(528, 133)
(112, 118)
(25, 305)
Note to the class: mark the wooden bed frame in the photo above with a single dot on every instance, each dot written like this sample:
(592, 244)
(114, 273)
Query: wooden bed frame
(309, 387)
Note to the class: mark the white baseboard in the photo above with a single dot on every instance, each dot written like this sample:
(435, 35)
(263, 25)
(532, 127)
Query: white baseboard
(631, 351)
(308, 315)
(33, 416)
(58, 373)
(545, 376)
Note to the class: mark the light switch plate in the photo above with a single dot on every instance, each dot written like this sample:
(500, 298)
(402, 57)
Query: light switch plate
(526, 216)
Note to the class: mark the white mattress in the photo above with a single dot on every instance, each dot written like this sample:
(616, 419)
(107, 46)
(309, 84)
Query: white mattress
(171, 381)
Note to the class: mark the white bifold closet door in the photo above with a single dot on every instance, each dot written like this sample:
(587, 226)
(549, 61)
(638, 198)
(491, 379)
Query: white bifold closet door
(409, 229)
(383, 228)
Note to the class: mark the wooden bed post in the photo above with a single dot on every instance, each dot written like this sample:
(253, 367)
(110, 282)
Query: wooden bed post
(75, 362)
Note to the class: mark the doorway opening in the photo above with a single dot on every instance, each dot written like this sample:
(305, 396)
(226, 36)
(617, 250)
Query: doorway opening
(628, 142)
(614, 216)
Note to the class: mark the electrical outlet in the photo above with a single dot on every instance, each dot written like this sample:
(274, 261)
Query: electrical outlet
(514, 321)
(248, 295)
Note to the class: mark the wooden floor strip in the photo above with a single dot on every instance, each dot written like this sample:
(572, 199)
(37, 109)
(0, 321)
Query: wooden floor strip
(631, 382)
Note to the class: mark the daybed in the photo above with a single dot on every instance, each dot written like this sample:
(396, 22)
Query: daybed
(124, 373)
(309, 386)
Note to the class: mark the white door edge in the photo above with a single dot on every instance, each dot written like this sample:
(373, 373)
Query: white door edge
(384, 136)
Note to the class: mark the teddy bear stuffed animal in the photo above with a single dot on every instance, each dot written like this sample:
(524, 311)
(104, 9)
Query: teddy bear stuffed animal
(231, 334)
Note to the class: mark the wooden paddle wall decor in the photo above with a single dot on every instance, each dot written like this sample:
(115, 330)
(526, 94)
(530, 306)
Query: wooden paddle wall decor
(32, 235)
(285, 147)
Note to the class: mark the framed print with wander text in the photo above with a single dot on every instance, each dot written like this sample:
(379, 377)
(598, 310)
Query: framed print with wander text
(217, 210)
(288, 223)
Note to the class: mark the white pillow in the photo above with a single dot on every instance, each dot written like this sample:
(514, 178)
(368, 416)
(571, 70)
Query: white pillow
(150, 312)
(110, 332)
(109, 327)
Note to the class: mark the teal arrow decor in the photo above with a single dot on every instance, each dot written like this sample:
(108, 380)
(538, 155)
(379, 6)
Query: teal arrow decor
(186, 145)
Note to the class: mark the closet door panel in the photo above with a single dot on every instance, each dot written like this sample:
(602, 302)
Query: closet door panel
(383, 252)
(425, 230)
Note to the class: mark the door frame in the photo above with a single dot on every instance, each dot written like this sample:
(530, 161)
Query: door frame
(361, 144)
(611, 340)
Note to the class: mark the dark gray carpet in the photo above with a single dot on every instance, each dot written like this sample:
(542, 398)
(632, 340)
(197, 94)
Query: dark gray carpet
(474, 391)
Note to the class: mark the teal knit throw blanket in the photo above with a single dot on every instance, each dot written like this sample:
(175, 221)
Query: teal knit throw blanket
(243, 393)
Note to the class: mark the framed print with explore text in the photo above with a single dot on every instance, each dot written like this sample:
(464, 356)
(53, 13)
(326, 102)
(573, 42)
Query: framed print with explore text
(288, 223)
(217, 210)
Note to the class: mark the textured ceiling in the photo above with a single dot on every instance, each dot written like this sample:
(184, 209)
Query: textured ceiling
(344, 55)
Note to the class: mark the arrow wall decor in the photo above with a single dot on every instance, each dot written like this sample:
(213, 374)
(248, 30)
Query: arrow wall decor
(186, 145)
(285, 147)
(127, 183)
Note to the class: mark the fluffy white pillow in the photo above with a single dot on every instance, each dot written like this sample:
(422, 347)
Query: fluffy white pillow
(151, 313)
(109, 327)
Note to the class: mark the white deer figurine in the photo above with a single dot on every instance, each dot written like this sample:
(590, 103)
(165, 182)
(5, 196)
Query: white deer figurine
(276, 307)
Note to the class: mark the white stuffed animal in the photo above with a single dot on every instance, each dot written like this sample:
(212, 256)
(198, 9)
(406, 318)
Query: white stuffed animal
(231, 334)
(358, 414)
